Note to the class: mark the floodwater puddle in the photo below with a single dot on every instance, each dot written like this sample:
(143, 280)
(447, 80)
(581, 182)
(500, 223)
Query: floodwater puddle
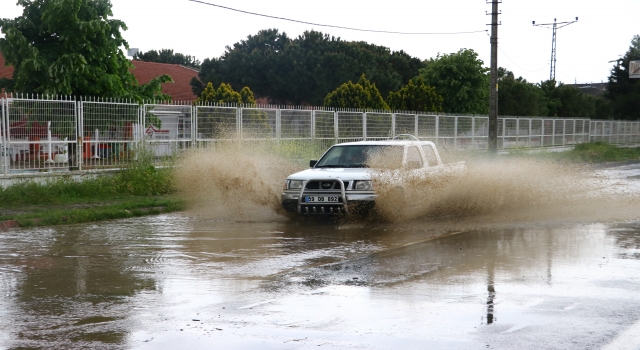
(560, 276)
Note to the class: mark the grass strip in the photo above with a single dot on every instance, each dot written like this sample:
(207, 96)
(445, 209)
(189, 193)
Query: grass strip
(592, 152)
(133, 208)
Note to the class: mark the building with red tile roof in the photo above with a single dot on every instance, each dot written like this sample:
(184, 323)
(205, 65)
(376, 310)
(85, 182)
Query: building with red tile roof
(179, 90)
(5, 72)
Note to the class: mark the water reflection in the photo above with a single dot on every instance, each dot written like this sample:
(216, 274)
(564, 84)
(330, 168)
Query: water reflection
(73, 283)
(95, 285)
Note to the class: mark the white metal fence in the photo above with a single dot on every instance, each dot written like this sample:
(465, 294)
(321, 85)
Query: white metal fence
(62, 134)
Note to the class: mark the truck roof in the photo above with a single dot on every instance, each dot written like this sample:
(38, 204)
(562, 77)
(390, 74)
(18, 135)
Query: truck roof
(386, 143)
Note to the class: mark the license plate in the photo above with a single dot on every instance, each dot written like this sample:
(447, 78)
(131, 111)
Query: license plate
(321, 199)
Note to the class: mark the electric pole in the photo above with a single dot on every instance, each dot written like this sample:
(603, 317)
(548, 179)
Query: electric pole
(493, 88)
(555, 26)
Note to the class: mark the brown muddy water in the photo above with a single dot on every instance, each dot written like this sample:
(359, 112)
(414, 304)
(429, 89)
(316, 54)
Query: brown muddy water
(546, 263)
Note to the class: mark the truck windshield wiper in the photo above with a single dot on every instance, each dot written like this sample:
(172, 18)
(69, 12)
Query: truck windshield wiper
(332, 166)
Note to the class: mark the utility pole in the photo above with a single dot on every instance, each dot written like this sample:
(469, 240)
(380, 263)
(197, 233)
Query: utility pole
(555, 26)
(493, 88)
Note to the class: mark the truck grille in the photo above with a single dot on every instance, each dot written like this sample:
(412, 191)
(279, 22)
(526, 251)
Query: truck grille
(325, 185)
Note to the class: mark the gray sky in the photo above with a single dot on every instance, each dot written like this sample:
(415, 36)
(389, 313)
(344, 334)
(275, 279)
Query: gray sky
(603, 32)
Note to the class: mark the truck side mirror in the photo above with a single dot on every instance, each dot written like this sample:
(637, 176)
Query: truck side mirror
(313, 162)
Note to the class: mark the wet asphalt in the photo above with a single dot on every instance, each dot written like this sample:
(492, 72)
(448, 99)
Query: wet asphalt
(182, 282)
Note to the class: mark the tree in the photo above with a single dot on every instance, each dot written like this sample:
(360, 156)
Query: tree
(462, 81)
(518, 97)
(416, 96)
(215, 123)
(305, 69)
(622, 91)
(168, 56)
(70, 47)
(567, 101)
(225, 94)
(362, 95)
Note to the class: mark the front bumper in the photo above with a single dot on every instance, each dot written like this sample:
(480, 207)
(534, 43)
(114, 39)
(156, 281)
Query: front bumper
(348, 200)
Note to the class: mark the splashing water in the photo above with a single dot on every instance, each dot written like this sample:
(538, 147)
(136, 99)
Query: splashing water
(233, 182)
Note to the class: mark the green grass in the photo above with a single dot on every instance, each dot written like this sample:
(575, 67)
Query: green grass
(599, 152)
(76, 213)
(140, 189)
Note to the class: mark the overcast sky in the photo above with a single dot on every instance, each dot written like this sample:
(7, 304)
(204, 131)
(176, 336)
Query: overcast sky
(603, 32)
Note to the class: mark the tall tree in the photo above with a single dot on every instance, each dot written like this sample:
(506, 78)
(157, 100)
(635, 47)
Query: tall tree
(518, 97)
(624, 92)
(305, 69)
(567, 101)
(362, 95)
(461, 79)
(168, 56)
(416, 96)
(70, 47)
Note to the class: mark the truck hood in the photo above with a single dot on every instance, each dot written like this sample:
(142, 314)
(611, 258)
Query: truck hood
(344, 174)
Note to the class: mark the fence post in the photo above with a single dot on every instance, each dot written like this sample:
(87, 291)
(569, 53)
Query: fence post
(278, 124)
(313, 124)
(393, 125)
(455, 132)
(194, 126)
(335, 125)
(417, 120)
(364, 126)
(517, 131)
(239, 122)
(504, 130)
(4, 151)
(80, 130)
(473, 132)
(437, 130)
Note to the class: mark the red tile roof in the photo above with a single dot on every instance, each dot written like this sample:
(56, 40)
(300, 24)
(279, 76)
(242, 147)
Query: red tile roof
(5, 72)
(180, 90)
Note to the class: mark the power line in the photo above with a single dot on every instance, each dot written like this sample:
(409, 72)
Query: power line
(512, 61)
(331, 26)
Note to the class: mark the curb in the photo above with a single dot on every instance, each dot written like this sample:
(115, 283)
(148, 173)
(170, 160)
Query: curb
(5, 225)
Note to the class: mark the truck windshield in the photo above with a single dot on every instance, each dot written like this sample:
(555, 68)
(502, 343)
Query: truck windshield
(362, 156)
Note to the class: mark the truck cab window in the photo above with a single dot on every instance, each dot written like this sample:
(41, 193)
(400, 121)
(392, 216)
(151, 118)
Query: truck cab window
(430, 154)
(414, 158)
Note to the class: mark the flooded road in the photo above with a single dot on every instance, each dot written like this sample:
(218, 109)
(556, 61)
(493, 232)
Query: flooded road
(182, 281)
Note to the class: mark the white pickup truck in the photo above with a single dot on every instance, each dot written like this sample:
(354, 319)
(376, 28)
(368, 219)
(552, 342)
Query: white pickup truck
(344, 179)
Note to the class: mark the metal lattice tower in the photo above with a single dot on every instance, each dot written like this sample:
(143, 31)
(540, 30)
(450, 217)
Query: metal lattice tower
(554, 26)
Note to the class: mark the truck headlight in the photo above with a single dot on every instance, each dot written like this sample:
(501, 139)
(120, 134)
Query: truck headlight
(363, 186)
(295, 184)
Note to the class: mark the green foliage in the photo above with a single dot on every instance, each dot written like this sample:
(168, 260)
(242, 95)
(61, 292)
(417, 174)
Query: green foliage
(567, 101)
(416, 96)
(225, 94)
(622, 91)
(254, 121)
(598, 152)
(70, 47)
(462, 81)
(362, 95)
(140, 179)
(518, 97)
(168, 56)
(305, 69)
(87, 212)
